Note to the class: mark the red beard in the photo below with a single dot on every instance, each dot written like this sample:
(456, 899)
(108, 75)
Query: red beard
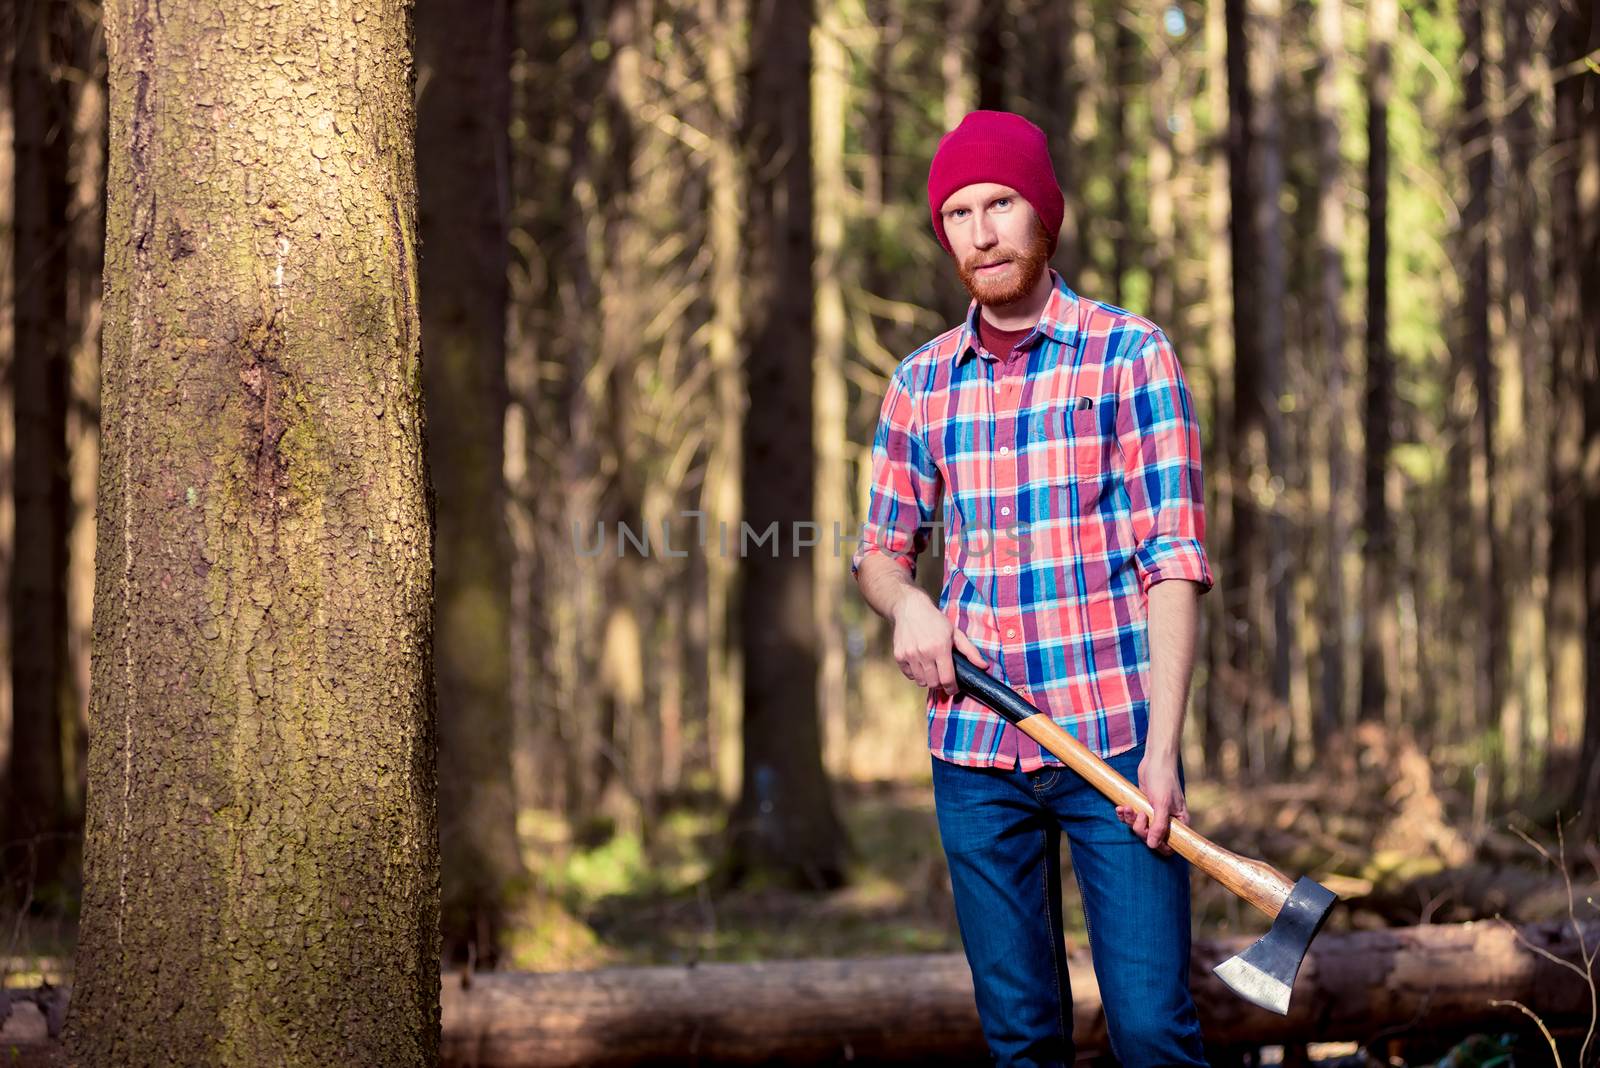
(1015, 281)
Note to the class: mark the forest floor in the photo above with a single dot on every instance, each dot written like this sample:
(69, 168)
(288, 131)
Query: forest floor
(1371, 821)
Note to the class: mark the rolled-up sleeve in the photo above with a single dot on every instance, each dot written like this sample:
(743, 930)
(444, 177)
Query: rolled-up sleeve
(905, 483)
(1158, 433)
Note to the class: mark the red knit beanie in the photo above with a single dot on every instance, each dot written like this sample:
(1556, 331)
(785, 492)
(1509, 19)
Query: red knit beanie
(1000, 147)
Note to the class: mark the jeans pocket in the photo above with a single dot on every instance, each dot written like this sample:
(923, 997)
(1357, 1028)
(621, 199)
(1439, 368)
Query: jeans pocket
(1045, 779)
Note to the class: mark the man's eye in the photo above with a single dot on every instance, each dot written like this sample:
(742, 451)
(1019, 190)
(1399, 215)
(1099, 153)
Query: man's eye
(1003, 200)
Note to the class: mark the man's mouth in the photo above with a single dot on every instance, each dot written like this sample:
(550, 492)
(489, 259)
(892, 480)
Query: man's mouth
(992, 267)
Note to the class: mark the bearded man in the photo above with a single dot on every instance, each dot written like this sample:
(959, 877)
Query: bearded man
(1060, 436)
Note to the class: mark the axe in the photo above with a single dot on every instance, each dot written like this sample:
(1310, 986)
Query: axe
(1264, 973)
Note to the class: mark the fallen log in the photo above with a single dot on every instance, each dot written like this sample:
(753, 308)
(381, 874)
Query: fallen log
(1422, 980)
(918, 1009)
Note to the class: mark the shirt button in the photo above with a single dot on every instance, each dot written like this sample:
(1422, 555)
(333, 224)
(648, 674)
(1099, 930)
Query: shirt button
(1011, 634)
(1007, 569)
(1004, 449)
(1005, 511)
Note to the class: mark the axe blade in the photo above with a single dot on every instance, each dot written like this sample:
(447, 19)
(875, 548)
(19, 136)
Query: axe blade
(1264, 973)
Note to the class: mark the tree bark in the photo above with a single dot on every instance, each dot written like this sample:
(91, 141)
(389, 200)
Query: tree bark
(261, 866)
(919, 1009)
(464, 51)
(784, 824)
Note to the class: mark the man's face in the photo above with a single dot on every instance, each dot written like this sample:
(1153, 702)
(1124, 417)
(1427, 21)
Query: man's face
(990, 224)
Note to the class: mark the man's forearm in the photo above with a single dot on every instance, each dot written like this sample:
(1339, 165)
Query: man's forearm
(885, 584)
(1173, 623)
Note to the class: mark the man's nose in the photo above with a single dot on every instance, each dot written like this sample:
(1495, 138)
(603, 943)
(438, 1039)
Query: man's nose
(983, 233)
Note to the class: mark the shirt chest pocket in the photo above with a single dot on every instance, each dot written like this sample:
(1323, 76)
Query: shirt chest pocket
(1076, 437)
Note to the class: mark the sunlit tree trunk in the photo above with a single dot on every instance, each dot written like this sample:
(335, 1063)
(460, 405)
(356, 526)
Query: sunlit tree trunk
(86, 287)
(1161, 252)
(625, 763)
(260, 863)
(1091, 65)
(723, 504)
(583, 370)
(830, 86)
(1125, 80)
(956, 65)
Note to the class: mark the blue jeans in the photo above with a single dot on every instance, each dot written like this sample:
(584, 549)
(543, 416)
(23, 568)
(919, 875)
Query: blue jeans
(1001, 831)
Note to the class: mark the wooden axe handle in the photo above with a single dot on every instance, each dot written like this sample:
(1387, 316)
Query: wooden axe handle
(1255, 881)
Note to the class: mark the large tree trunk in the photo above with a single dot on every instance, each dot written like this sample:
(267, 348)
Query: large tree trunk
(33, 819)
(261, 867)
(783, 824)
(1521, 508)
(832, 271)
(1051, 83)
(1267, 305)
(535, 420)
(919, 1009)
(1215, 714)
(1578, 316)
(1380, 633)
(1481, 612)
(726, 54)
(1332, 333)
(1232, 745)
(1125, 80)
(989, 64)
(464, 51)
(8, 359)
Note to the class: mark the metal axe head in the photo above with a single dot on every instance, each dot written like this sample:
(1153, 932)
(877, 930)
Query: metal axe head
(1264, 973)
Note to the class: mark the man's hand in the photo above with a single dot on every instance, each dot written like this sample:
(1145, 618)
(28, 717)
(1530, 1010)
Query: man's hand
(1158, 779)
(923, 637)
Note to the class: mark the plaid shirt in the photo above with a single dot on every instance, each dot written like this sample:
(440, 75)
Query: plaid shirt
(1070, 478)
